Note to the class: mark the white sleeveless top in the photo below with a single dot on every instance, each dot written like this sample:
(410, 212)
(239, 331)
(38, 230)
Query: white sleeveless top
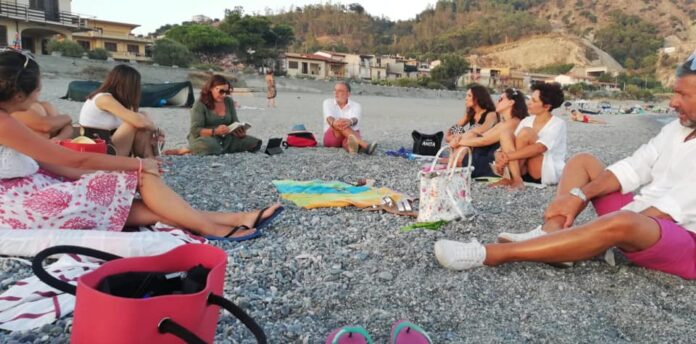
(14, 164)
(93, 117)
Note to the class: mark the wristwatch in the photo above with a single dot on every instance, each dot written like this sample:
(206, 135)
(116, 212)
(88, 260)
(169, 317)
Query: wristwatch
(577, 192)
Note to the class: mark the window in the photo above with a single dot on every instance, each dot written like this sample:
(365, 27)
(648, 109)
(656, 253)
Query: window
(293, 65)
(110, 46)
(3, 36)
(84, 44)
(37, 5)
(133, 49)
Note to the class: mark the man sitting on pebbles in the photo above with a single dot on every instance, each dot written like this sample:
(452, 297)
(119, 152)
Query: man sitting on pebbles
(341, 117)
(656, 229)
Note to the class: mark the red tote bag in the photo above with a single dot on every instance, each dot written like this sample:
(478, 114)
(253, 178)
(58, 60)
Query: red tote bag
(98, 147)
(101, 317)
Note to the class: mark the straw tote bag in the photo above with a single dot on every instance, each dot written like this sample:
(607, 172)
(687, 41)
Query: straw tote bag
(167, 298)
(446, 194)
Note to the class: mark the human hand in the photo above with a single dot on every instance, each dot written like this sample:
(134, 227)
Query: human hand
(567, 206)
(222, 130)
(342, 123)
(501, 158)
(239, 132)
(151, 166)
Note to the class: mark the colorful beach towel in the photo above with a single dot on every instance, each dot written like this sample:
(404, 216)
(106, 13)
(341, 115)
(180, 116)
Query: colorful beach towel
(322, 194)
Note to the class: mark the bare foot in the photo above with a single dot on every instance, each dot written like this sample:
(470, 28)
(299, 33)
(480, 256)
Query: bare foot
(501, 183)
(516, 186)
(250, 217)
(177, 151)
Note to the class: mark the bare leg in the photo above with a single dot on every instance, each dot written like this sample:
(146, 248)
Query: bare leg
(525, 137)
(170, 207)
(143, 144)
(349, 131)
(123, 139)
(579, 171)
(627, 230)
(142, 215)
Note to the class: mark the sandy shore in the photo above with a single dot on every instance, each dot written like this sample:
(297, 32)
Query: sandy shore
(316, 270)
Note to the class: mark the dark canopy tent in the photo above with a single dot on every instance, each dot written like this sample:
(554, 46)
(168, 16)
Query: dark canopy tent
(152, 95)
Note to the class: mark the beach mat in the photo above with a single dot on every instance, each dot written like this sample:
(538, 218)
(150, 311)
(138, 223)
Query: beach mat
(321, 194)
(151, 95)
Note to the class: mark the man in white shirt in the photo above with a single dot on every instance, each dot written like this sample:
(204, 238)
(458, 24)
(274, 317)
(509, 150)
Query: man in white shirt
(342, 120)
(656, 229)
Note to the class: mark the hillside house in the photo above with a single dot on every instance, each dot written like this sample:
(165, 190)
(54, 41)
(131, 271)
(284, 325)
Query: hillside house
(30, 24)
(314, 66)
(116, 38)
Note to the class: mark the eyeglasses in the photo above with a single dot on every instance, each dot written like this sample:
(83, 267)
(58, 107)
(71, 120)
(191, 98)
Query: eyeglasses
(224, 91)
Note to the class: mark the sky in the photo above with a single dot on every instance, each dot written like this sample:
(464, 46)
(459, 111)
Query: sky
(151, 14)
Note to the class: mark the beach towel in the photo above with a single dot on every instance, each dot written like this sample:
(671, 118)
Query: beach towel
(30, 303)
(322, 194)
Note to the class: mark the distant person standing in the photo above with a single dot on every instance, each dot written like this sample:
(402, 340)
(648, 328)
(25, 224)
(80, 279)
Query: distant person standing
(271, 91)
(341, 120)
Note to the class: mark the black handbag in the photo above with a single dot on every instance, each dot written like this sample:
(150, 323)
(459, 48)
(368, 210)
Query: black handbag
(427, 144)
(274, 146)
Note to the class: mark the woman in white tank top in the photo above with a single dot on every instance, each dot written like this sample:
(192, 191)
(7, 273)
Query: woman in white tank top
(111, 113)
(46, 186)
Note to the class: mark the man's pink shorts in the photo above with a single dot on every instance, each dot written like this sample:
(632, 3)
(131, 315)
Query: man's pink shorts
(674, 253)
(330, 139)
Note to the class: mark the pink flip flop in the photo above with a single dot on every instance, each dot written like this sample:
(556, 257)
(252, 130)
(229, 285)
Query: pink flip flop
(349, 335)
(405, 332)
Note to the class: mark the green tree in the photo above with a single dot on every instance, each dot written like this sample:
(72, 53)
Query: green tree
(65, 47)
(258, 38)
(628, 37)
(168, 52)
(202, 39)
(451, 68)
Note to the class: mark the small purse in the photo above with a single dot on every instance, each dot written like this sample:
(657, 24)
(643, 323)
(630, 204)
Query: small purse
(274, 146)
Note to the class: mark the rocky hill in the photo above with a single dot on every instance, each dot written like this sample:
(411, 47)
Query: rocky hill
(525, 33)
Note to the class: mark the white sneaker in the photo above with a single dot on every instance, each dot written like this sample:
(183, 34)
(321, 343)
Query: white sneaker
(515, 237)
(458, 255)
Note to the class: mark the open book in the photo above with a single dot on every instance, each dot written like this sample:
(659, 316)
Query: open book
(236, 125)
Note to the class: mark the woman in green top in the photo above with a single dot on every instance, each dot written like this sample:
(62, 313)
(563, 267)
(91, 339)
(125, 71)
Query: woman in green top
(210, 116)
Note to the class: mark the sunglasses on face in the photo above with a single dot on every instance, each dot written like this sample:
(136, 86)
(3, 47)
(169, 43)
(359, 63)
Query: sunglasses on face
(224, 91)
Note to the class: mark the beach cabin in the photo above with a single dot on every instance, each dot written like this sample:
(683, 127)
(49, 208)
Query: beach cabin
(115, 37)
(30, 24)
(314, 66)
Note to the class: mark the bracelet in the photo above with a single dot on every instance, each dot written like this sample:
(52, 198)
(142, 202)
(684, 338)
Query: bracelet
(213, 132)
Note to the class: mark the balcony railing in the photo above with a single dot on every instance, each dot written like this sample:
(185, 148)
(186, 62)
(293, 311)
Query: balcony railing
(21, 12)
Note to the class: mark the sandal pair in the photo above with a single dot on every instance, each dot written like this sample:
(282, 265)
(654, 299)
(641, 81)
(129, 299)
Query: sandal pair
(403, 332)
(402, 207)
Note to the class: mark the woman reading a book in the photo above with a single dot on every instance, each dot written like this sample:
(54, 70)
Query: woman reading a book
(112, 113)
(215, 128)
(46, 186)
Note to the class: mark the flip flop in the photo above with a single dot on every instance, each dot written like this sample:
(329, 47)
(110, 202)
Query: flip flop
(405, 332)
(349, 335)
(261, 223)
(229, 236)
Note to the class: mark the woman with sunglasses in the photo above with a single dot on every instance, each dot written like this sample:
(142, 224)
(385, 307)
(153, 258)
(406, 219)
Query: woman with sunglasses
(111, 113)
(211, 115)
(511, 109)
(46, 186)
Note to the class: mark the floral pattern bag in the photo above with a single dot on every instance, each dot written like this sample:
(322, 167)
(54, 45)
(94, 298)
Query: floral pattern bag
(446, 194)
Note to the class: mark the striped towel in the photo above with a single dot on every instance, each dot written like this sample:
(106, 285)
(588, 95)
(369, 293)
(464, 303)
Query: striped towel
(30, 303)
(321, 194)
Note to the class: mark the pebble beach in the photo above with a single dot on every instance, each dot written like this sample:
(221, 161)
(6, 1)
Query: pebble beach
(316, 270)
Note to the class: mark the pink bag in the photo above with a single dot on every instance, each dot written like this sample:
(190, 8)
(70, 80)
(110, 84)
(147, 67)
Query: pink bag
(155, 317)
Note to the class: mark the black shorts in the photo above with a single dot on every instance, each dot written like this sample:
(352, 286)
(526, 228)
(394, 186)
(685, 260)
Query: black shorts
(529, 179)
(103, 134)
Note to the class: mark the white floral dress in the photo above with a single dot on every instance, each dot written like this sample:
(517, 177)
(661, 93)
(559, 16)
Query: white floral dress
(31, 198)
